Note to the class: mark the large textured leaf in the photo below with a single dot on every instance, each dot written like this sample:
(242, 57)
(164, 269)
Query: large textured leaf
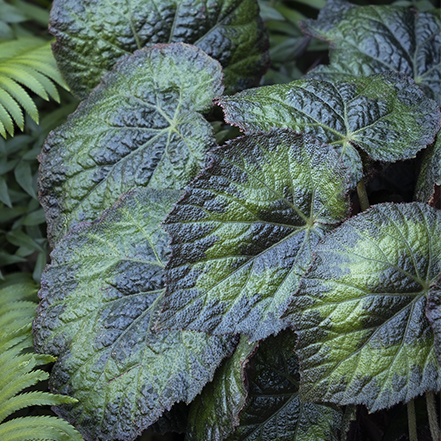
(140, 128)
(243, 233)
(386, 115)
(373, 39)
(215, 412)
(360, 311)
(433, 313)
(274, 411)
(93, 35)
(100, 297)
(428, 186)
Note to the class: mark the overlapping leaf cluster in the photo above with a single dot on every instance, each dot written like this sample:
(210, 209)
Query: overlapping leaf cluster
(261, 240)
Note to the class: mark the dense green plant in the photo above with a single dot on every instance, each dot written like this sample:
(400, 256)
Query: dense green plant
(295, 304)
(17, 363)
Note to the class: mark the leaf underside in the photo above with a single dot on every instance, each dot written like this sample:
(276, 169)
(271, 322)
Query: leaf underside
(274, 411)
(142, 127)
(360, 311)
(371, 39)
(100, 298)
(93, 35)
(244, 231)
(386, 115)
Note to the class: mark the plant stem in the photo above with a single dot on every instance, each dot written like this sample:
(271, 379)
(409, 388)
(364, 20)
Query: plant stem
(413, 436)
(362, 195)
(433, 420)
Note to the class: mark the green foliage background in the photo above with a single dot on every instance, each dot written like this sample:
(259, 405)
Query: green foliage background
(34, 100)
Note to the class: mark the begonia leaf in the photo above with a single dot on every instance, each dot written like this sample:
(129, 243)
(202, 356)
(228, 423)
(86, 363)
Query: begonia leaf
(433, 313)
(428, 186)
(243, 233)
(385, 115)
(360, 311)
(215, 412)
(93, 35)
(371, 39)
(100, 298)
(142, 127)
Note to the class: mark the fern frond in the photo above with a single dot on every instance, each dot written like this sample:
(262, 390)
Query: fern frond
(17, 368)
(25, 62)
(41, 428)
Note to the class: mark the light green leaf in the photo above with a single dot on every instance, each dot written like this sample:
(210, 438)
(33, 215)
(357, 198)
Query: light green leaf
(243, 234)
(142, 127)
(360, 311)
(385, 115)
(100, 298)
(93, 36)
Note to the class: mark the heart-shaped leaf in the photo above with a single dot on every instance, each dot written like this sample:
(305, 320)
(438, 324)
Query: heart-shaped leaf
(215, 412)
(360, 311)
(373, 39)
(100, 298)
(93, 35)
(243, 234)
(273, 410)
(141, 127)
(386, 115)
(428, 187)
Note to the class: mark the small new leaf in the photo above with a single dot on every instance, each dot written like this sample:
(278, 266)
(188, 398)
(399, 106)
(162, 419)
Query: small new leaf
(386, 115)
(371, 39)
(360, 311)
(243, 234)
(93, 35)
(142, 127)
(100, 299)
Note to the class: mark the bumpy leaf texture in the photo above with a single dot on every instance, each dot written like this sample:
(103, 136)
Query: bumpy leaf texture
(360, 311)
(385, 115)
(243, 234)
(142, 127)
(100, 297)
(215, 412)
(433, 313)
(93, 35)
(274, 411)
(428, 186)
(374, 39)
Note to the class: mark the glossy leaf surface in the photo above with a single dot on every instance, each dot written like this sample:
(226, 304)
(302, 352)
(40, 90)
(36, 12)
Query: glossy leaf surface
(428, 186)
(274, 411)
(93, 35)
(360, 311)
(100, 298)
(243, 233)
(141, 127)
(374, 39)
(215, 412)
(386, 115)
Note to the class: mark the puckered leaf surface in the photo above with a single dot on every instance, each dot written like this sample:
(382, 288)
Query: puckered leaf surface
(433, 313)
(274, 411)
(100, 298)
(93, 35)
(140, 128)
(360, 311)
(386, 115)
(215, 412)
(428, 186)
(374, 39)
(244, 231)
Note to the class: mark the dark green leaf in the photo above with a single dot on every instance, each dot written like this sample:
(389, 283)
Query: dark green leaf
(386, 115)
(21, 239)
(274, 411)
(215, 412)
(93, 35)
(140, 128)
(429, 180)
(35, 218)
(9, 259)
(360, 311)
(24, 177)
(243, 233)
(4, 193)
(433, 313)
(100, 297)
(374, 39)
